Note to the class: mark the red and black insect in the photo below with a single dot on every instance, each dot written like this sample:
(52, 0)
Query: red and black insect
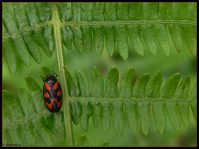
(52, 93)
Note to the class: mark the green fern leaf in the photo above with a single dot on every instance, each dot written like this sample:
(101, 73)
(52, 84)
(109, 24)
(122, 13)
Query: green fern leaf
(31, 30)
(76, 112)
(98, 38)
(32, 84)
(118, 117)
(10, 55)
(96, 114)
(111, 89)
(144, 117)
(113, 107)
(158, 110)
(24, 125)
(22, 23)
(83, 84)
(110, 39)
(28, 28)
(132, 115)
(106, 116)
(86, 113)
(170, 87)
(73, 88)
(97, 83)
(126, 85)
(154, 84)
(139, 102)
(140, 86)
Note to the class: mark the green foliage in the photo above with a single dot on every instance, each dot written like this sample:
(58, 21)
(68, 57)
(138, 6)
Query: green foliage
(24, 35)
(25, 122)
(120, 28)
(35, 32)
(110, 108)
(136, 101)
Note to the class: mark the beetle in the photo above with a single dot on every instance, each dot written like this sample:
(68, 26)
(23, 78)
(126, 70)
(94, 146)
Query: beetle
(52, 92)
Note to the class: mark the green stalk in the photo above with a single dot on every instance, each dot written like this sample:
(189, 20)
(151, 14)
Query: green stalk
(58, 44)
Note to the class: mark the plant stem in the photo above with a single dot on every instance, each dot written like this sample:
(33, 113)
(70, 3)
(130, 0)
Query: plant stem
(58, 44)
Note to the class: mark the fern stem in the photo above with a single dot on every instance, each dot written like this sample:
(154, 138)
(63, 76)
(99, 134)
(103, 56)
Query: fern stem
(128, 22)
(131, 99)
(26, 29)
(57, 34)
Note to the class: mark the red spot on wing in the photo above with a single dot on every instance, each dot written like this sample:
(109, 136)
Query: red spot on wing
(59, 103)
(59, 93)
(56, 85)
(50, 105)
(47, 86)
(46, 95)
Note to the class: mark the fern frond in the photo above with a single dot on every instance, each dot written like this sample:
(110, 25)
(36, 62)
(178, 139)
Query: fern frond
(110, 101)
(26, 121)
(27, 31)
(116, 27)
(123, 100)
(123, 27)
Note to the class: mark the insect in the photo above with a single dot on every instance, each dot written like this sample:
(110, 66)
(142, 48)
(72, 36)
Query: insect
(52, 92)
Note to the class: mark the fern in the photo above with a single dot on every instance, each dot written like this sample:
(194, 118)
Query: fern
(87, 27)
(31, 30)
(27, 122)
(26, 32)
(135, 101)
(119, 100)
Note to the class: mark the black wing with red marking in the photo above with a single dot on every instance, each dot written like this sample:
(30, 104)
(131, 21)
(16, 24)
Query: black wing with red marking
(52, 93)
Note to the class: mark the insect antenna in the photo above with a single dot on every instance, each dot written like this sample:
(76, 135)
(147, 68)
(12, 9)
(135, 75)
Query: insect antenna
(54, 73)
